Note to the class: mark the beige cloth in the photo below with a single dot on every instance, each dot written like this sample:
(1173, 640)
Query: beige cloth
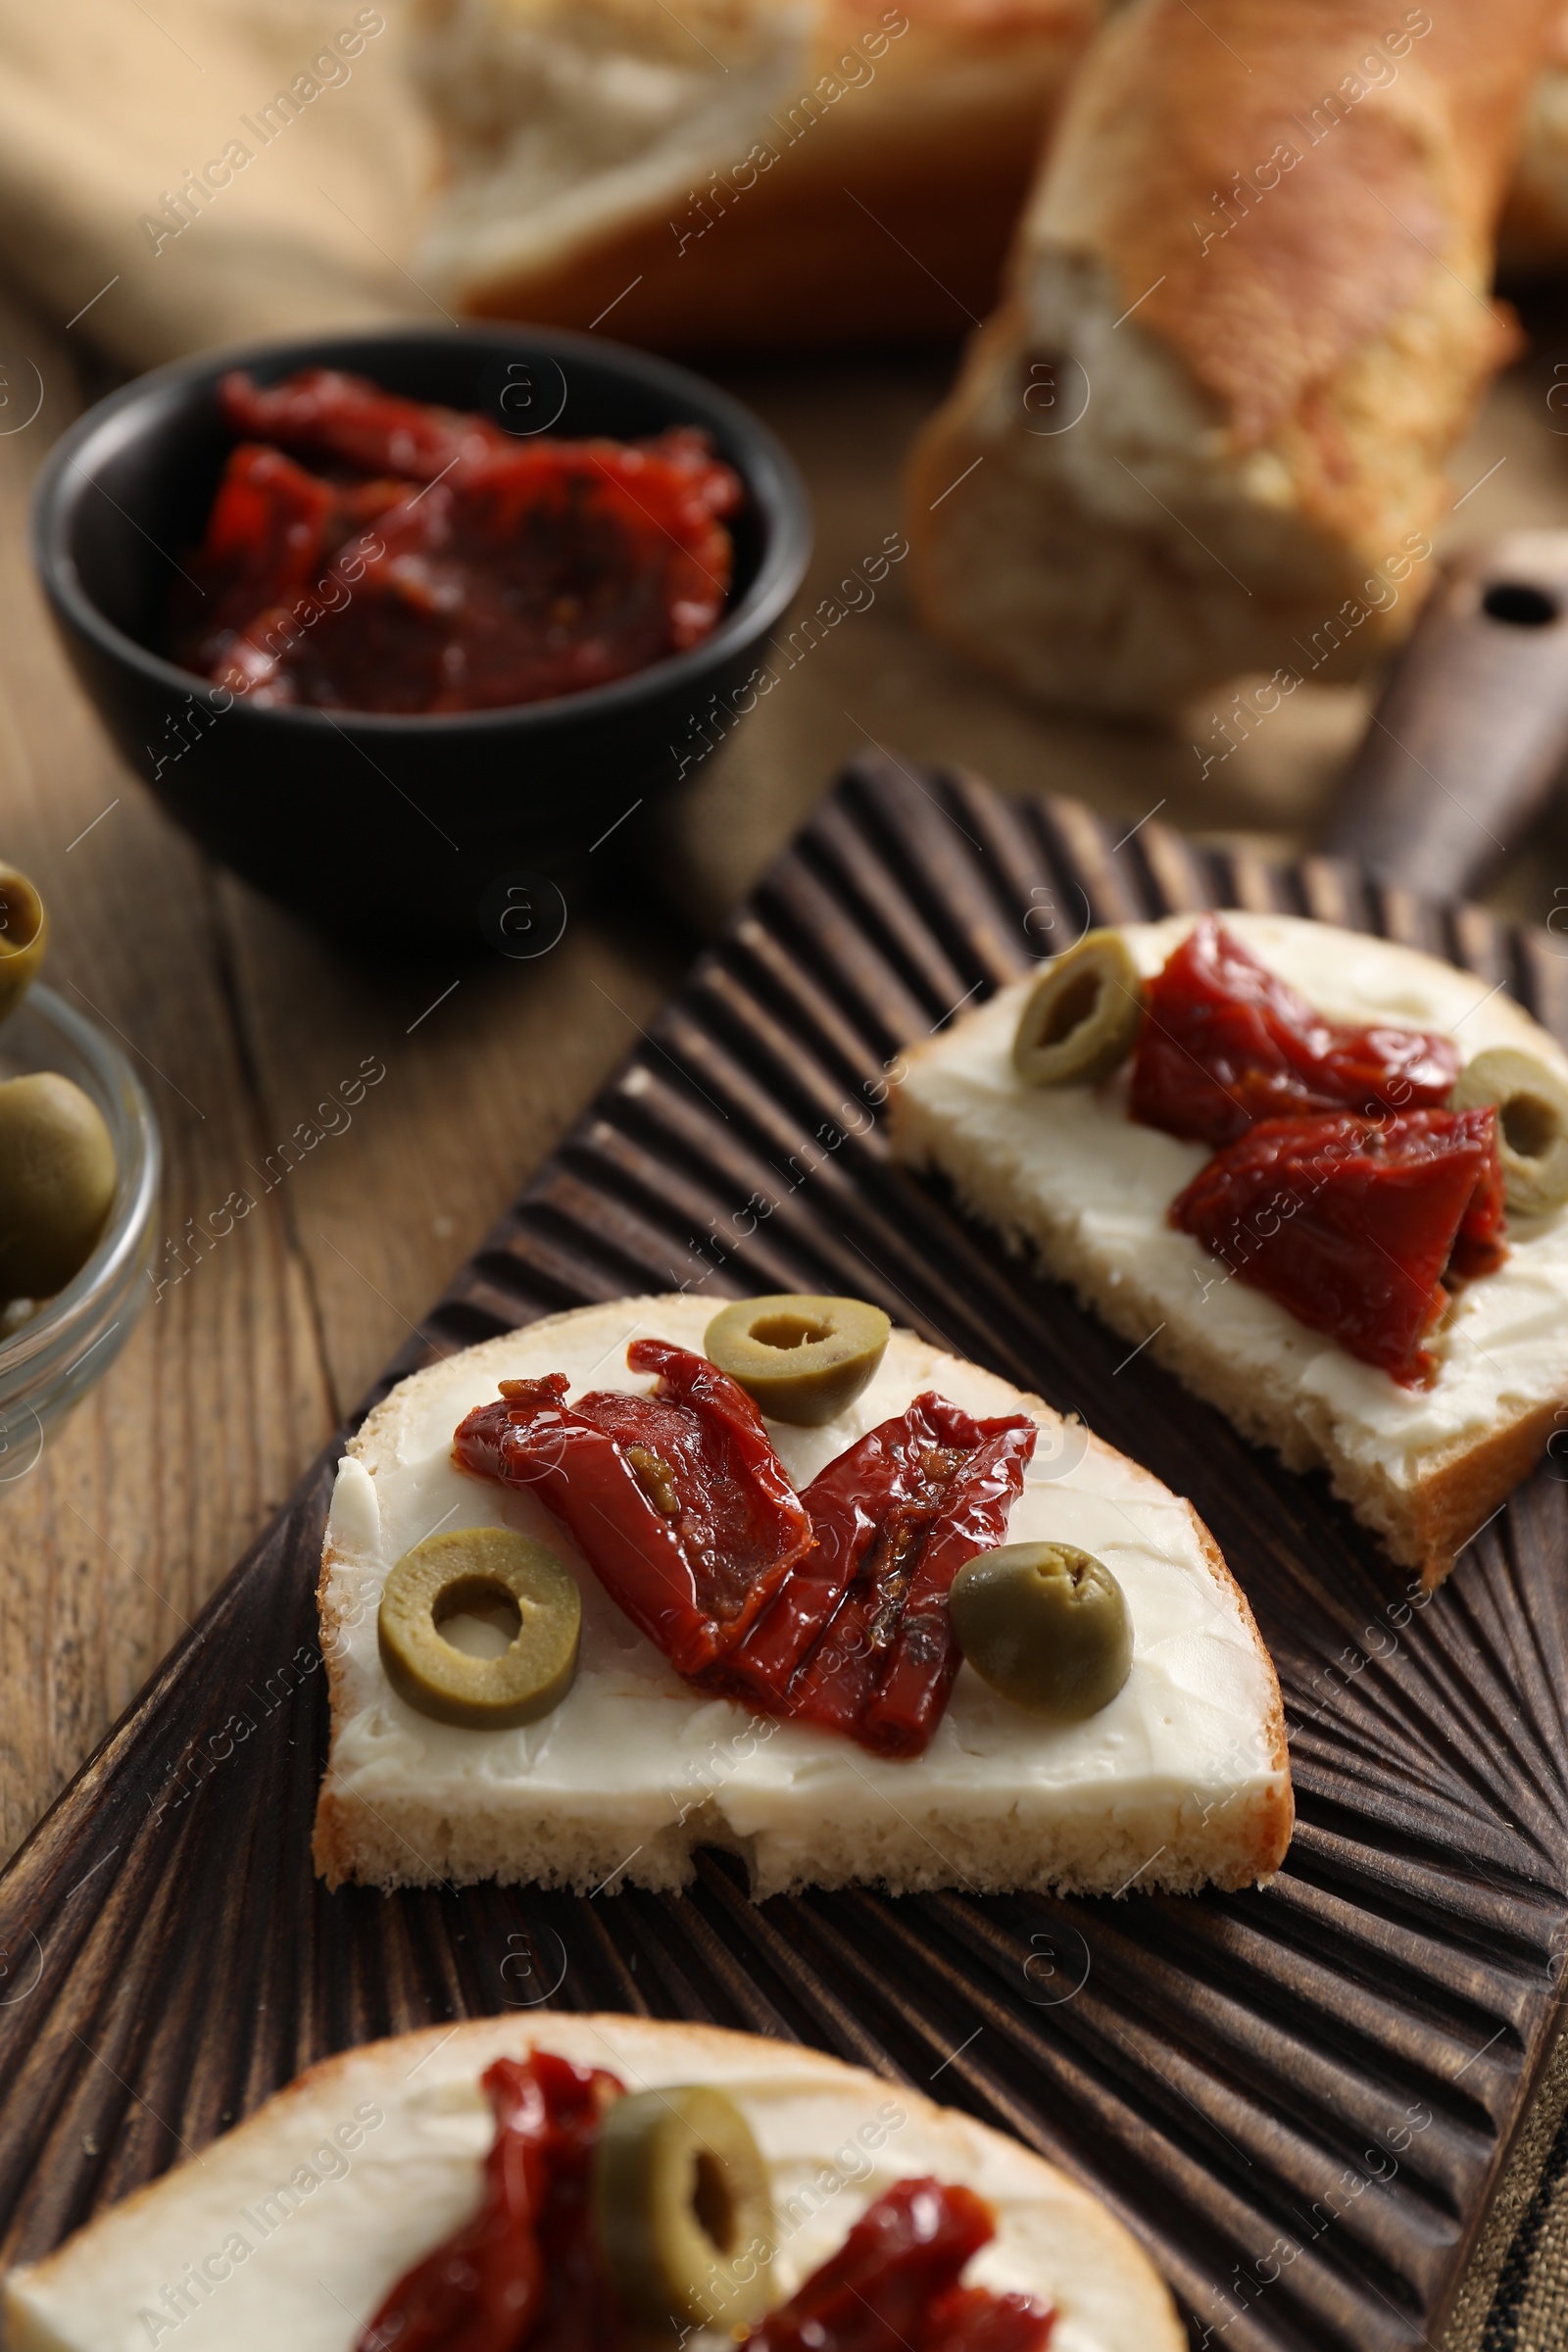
(106, 105)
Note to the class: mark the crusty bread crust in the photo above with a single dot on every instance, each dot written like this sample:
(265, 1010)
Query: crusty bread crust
(929, 152)
(1277, 1814)
(1323, 262)
(1279, 354)
(642, 2050)
(1241, 1843)
(803, 266)
(1463, 1488)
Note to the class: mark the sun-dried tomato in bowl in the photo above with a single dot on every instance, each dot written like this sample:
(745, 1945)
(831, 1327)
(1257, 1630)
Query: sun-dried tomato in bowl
(369, 552)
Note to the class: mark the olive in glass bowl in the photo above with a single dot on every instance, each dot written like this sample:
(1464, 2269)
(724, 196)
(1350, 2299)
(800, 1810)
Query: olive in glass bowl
(53, 1350)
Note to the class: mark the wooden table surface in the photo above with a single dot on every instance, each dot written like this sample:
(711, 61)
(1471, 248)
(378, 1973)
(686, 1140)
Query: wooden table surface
(244, 1025)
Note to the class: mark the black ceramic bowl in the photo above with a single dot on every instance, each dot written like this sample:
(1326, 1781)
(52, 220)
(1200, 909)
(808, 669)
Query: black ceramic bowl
(381, 826)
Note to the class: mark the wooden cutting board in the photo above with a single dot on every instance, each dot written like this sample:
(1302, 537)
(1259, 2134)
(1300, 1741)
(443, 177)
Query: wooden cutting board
(1299, 2098)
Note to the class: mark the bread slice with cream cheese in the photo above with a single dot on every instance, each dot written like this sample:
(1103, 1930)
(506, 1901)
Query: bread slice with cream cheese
(1181, 1782)
(1073, 1182)
(292, 2228)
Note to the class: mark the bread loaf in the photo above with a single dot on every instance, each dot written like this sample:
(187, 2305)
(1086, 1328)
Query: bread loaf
(736, 171)
(1247, 318)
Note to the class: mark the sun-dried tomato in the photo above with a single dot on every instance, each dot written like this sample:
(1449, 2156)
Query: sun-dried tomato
(1352, 1223)
(402, 558)
(1225, 1043)
(860, 1638)
(893, 2286)
(676, 1500)
(525, 2270)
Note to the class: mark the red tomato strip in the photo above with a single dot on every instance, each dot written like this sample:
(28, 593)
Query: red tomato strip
(1352, 1223)
(1224, 1044)
(859, 1637)
(324, 412)
(893, 2286)
(677, 1500)
(852, 1504)
(525, 2270)
(267, 534)
(971, 2319)
(923, 1656)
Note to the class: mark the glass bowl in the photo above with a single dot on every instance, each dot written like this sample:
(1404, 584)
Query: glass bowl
(47, 1362)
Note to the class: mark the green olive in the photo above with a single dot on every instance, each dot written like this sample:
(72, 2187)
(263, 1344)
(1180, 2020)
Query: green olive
(464, 1572)
(24, 936)
(682, 2209)
(1082, 1014)
(56, 1180)
(1046, 1625)
(1532, 1104)
(801, 1359)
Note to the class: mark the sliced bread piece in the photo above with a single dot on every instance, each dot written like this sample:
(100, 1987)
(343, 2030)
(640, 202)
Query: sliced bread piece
(292, 2228)
(1181, 1781)
(1072, 1181)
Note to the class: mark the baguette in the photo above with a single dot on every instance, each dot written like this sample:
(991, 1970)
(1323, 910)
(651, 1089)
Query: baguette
(292, 2228)
(1181, 1781)
(736, 171)
(1075, 1185)
(1247, 318)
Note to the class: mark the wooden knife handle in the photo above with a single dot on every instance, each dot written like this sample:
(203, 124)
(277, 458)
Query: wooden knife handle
(1471, 730)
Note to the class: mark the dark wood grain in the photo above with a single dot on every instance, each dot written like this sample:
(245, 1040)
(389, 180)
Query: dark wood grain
(1469, 735)
(1299, 2098)
(111, 1542)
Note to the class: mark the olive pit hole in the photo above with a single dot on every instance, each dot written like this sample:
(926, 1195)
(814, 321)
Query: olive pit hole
(1071, 1008)
(1520, 605)
(1529, 1125)
(482, 1596)
(20, 914)
(713, 2203)
(790, 1331)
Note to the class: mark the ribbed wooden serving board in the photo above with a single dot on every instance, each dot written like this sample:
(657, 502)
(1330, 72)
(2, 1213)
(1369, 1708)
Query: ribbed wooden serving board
(1299, 2098)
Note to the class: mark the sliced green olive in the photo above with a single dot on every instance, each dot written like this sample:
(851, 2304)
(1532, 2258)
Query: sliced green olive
(1082, 1015)
(1045, 1624)
(682, 2209)
(490, 1572)
(1532, 1104)
(56, 1180)
(799, 1358)
(24, 936)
